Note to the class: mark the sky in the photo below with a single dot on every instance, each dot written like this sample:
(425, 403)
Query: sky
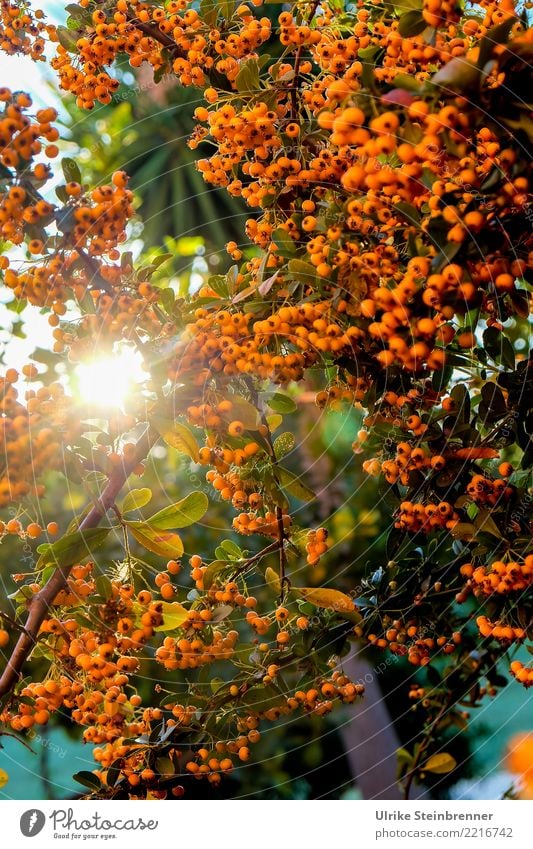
(20, 73)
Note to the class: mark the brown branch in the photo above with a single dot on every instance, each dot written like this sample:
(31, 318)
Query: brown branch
(282, 536)
(156, 34)
(18, 739)
(252, 560)
(41, 601)
(283, 580)
(91, 267)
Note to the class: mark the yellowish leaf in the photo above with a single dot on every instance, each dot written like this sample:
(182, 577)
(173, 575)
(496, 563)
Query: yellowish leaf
(440, 764)
(178, 436)
(165, 543)
(272, 579)
(330, 599)
(135, 499)
(174, 616)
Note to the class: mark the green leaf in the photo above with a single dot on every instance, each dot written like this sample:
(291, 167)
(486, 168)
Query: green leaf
(507, 354)
(61, 193)
(212, 571)
(156, 540)
(81, 15)
(295, 486)
(461, 398)
(174, 616)
(209, 12)
(284, 444)
(247, 80)
(71, 170)
(323, 597)
(242, 411)
(219, 284)
(302, 271)
(178, 436)
(232, 548)
(88, 779)
(412, 23)
(272, 579)
(486, 524)
(284, 243)
(71, 548)
(103, 587)
(495, 35)
(407, 5)
(135, 499)
(404, 756)
(66, 39)
(404, 761)
(492, 406)
(227, 9)
(499, 347)
(464, 530)
(164, 766)
(262, 698)
(406, 82)
(408, 211)
(167, 299)
(181, 514)
(520, 302)
(282, 403)
(161, 258)
(446, 253)
(440, 764)
(459, 74)
(113, 773)
(274, 422)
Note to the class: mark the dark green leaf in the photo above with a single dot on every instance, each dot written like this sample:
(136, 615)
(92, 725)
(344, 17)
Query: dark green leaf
(71, 170)
(247, 80)
(282, 403)
(88, 779)
(411, 23)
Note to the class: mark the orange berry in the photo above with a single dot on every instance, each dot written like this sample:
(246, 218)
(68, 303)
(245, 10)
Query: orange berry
(236, 428)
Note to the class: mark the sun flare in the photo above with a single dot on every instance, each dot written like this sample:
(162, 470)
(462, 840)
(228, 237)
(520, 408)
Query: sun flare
(108, 381)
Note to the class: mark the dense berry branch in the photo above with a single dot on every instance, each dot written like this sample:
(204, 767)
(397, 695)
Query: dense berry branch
(42, 601)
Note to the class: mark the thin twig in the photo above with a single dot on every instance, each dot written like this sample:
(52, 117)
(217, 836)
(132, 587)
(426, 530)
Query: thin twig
(251, 560)
(297, 63)
(421, 751)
